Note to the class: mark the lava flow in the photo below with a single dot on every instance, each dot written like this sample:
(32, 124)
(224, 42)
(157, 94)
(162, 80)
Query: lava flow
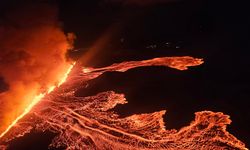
(36, 100)
(89, 123)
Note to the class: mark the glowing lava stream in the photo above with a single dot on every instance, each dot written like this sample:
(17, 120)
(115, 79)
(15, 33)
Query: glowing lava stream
(37, 99)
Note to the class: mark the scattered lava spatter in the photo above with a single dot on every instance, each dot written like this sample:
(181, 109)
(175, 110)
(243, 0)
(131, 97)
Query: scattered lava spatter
(89, 123)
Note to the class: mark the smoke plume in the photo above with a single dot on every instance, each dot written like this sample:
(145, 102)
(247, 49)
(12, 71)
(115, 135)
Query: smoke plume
(32, 56)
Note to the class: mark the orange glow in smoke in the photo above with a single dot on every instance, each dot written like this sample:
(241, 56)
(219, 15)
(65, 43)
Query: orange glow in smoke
(37, 99)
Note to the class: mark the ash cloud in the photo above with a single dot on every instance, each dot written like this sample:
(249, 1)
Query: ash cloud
(32, 56)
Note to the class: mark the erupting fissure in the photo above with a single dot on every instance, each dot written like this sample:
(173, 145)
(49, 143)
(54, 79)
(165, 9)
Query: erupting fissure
(37, 99)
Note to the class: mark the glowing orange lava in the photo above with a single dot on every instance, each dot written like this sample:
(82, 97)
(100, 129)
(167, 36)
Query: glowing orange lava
(37, 99)
(89, 122)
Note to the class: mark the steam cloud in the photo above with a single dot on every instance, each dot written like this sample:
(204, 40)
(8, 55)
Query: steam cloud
(32, 56)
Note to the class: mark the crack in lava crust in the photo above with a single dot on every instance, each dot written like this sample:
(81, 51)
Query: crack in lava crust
(89, 123)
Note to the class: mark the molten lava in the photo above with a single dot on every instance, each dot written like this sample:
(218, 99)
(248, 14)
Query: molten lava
(37, 99)
(89, 123)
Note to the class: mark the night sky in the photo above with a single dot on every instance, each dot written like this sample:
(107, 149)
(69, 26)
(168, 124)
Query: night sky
(218, 31)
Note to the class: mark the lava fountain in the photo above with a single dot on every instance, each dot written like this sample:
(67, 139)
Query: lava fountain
(36, 100)
(89, 122)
